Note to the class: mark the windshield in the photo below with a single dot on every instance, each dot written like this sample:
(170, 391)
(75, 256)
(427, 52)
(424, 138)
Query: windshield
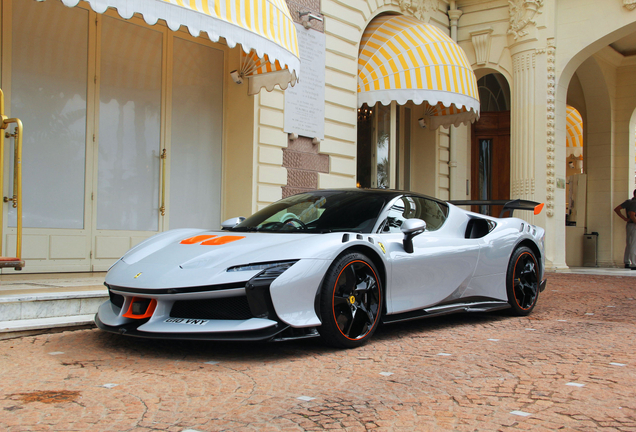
(318, 212)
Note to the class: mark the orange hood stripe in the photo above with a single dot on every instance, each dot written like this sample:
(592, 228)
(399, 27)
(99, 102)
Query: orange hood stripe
(222, 240)
(197, 239)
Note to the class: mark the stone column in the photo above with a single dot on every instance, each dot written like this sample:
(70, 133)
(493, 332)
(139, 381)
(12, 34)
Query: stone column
(522, 127)
(535, 172)
(453, 14)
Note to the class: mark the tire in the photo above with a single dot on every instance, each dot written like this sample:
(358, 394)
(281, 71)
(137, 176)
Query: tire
(522, 281)
(351, 301)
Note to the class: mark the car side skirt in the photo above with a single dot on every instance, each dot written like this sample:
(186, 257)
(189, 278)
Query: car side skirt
(464, 305)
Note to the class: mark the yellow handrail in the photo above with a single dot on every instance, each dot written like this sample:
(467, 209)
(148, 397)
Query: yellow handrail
(16, 199)
(164, 157)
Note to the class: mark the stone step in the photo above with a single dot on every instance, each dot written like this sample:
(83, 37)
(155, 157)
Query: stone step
(38, 311)
(18, 328)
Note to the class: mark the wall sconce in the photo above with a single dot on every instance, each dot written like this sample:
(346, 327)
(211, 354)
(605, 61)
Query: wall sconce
(571, 164)
(423, 123)
(236, 77)
(306, 17)
(364, 113)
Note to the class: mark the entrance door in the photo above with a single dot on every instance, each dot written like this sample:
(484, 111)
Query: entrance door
(491, 159)
(127, 188)
(384, 147)
(103, 100)
(44, 77)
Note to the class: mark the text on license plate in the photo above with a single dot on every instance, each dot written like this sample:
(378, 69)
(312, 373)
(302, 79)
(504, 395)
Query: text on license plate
(189, 321)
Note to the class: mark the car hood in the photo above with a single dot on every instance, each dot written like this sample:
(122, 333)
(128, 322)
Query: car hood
(197, 258)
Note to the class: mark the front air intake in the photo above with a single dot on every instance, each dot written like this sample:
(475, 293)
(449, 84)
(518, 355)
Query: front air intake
(226, 308)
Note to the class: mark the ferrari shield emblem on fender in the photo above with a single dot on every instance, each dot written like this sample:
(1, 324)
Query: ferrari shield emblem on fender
(382, 247)
(137, 275)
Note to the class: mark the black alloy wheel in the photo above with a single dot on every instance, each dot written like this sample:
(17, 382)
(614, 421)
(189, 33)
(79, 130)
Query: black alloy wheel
(523, 281)
(351, 301)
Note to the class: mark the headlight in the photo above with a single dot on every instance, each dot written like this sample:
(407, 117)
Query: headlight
(263, 266)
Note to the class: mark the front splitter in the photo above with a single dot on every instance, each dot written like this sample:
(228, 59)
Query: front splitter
(261, 335)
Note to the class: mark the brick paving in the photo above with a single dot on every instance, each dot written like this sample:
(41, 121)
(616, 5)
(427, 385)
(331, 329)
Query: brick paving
(569, 366)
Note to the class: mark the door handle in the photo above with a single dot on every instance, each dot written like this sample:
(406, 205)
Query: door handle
(164, 157)
(13, 199)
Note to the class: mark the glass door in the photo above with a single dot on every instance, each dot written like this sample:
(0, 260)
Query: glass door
(379, 165)
(195, 145)
(127, 189)
(45, 78)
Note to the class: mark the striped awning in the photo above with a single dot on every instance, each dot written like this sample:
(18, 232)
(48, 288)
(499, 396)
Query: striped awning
(263, 73)
(573, 132)
(263, 28)
(402, 59)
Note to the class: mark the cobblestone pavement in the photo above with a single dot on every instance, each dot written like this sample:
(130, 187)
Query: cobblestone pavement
(568, 366)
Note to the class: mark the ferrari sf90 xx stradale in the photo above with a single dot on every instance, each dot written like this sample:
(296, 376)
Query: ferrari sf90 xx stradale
(333, 263)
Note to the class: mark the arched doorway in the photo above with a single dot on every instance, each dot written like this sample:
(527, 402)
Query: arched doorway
(490, 143)
(404, 92)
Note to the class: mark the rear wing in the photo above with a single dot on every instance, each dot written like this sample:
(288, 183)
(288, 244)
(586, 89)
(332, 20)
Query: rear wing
(508, 205)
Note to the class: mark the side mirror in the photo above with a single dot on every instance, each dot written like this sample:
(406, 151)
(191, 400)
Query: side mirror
(411, 228)
(231, 223)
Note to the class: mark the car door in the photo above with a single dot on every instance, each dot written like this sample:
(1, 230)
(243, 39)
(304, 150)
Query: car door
(442, 262)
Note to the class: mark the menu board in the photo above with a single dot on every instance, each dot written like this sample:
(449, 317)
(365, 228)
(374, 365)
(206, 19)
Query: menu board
(305, 102)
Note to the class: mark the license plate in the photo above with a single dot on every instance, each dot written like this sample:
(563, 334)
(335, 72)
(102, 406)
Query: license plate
(188, 321)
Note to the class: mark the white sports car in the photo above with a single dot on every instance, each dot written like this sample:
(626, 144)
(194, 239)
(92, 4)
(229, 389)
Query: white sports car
(333, 263)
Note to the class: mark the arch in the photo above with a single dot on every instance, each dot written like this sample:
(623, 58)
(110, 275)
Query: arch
(494, 87)
(598, 153)
(480, 72)
(608, 128)
(579, 40)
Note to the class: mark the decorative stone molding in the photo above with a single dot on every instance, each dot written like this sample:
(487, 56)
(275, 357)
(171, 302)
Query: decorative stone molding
(522, 170)
(522, 13)
(551, 129)
(418, 8)
(481, 43)
(629, 4)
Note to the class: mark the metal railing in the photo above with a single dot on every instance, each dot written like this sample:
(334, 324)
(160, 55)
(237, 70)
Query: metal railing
(16, 198)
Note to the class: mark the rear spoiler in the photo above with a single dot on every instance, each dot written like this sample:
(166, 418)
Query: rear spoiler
(508, 205)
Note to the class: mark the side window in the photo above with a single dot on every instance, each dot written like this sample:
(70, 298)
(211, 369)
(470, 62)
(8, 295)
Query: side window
(430, 211)
(434, 213)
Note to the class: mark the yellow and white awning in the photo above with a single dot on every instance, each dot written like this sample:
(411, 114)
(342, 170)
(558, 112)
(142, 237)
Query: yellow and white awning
(263, 27)
(263, 73)
(402, 59)
(573, 132)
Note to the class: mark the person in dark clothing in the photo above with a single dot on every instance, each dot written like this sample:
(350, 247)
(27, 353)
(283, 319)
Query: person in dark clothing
(630, 230)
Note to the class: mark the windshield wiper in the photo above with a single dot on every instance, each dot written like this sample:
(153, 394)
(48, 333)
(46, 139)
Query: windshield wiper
(243, 229)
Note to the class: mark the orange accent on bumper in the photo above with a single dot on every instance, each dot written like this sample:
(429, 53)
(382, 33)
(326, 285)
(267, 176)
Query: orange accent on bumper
(222, 240)
(149, 310)
(538, 208)
(197, 239)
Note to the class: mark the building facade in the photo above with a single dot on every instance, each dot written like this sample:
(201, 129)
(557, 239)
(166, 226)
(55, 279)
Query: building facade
(103, 98)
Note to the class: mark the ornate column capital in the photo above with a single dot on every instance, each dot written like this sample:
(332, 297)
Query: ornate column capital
(522, 13)
(455, 14)
(420, 9)
(629, 4)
